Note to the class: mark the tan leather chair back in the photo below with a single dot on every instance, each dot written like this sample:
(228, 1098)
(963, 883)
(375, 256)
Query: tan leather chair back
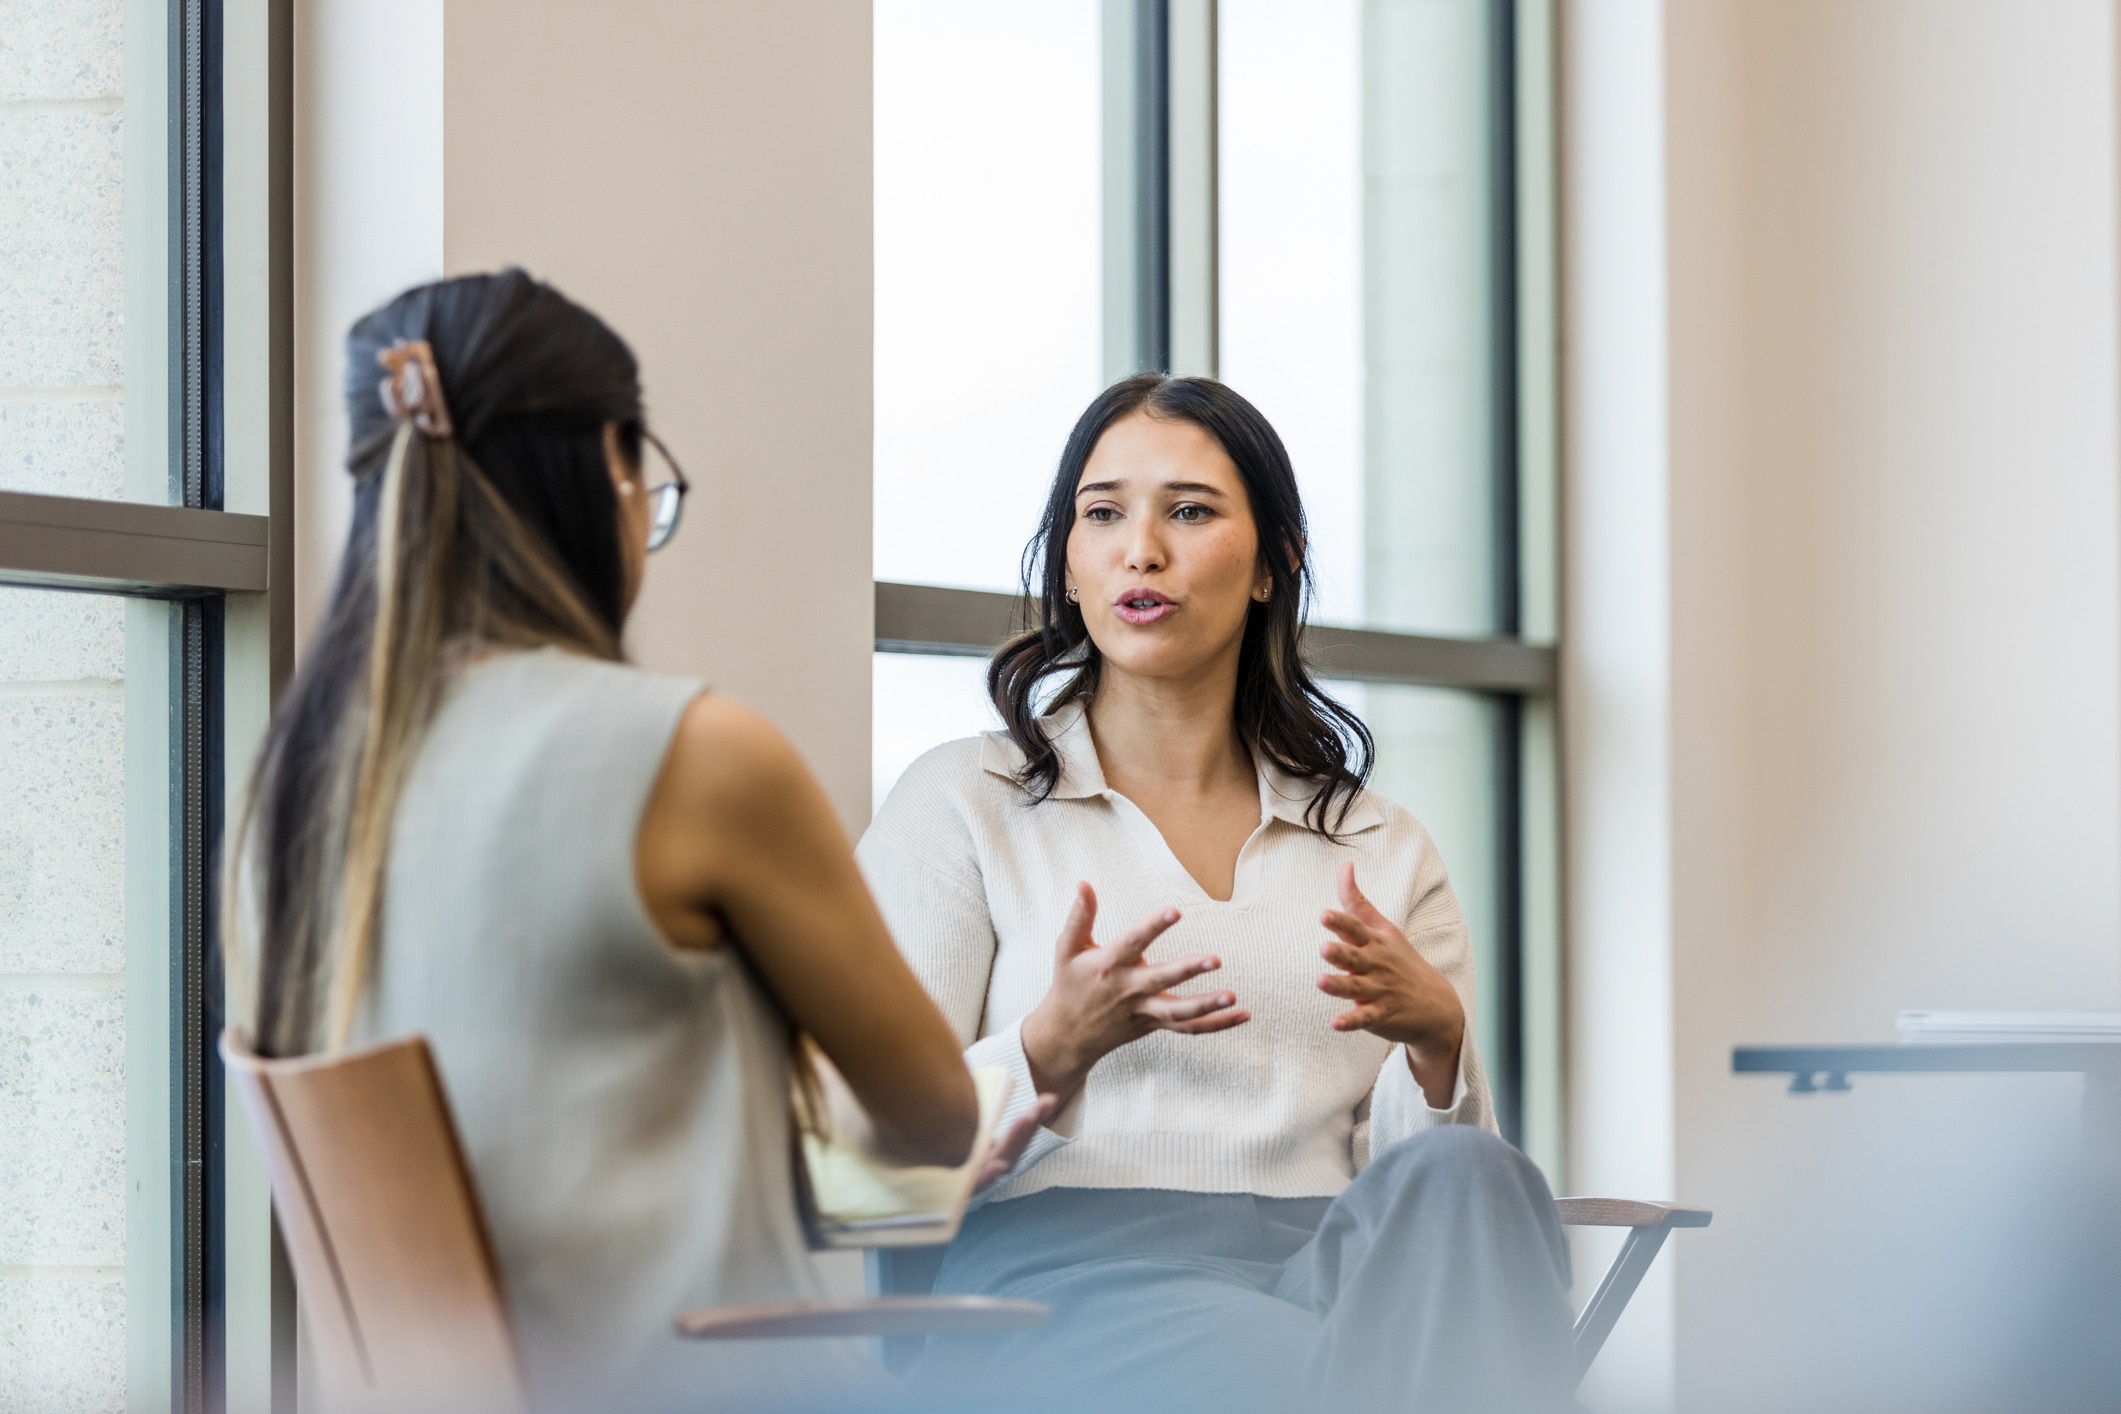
(399, 1290)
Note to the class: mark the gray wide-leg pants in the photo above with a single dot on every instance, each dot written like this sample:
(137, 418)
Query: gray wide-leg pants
(1436, 1282)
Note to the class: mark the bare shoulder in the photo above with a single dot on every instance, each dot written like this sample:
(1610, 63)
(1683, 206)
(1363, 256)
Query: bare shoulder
(726, 756)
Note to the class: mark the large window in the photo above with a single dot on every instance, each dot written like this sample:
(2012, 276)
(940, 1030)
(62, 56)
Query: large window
(1340, 207)
(986, 306)
(140, 410)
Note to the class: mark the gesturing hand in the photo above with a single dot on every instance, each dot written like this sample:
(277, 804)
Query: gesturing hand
(1009, 1145)
(1102, 998)
(1396, 993)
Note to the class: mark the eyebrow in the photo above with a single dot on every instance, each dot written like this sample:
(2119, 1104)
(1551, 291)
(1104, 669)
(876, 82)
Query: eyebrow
(1191, 488)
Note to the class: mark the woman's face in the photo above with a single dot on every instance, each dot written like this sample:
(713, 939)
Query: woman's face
(629, 485)
(1163, 556)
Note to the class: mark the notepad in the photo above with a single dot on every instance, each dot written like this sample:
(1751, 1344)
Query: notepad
(851, 1198)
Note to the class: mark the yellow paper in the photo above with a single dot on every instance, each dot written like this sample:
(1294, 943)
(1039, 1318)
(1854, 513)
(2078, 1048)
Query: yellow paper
(857, 1199)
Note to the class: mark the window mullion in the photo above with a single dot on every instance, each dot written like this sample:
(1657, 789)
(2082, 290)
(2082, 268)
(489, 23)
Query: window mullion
(195, 747)
(1190, 187)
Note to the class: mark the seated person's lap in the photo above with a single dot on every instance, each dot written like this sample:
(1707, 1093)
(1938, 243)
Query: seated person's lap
(1161, 1300)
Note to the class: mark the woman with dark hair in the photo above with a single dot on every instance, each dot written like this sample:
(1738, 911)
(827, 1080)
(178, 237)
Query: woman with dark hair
(607, 898)
(1262, 1185)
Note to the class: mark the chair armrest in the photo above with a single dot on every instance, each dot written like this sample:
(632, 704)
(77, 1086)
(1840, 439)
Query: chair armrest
(1628, 1212)
(880, 1316)
(1648, 1225)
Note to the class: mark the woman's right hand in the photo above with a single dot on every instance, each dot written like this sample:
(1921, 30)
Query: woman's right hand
(1102, 998)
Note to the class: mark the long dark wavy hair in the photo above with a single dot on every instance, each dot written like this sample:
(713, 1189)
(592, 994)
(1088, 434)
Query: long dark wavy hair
(502, 534)
(1281, 713)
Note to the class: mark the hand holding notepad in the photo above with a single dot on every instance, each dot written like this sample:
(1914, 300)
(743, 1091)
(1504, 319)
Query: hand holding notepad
(851, 1196)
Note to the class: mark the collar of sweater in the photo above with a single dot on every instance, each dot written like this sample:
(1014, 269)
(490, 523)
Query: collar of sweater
(1282, 796)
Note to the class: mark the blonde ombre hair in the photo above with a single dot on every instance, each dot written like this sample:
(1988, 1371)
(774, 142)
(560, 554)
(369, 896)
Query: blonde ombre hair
(484, 520)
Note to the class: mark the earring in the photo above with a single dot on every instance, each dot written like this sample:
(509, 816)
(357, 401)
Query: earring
(1073, 597)
(1266, 594)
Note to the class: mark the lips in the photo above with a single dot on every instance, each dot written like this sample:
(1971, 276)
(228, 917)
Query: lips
(1143, 606)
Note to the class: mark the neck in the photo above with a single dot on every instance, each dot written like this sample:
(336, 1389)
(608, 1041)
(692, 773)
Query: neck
(1179, 733)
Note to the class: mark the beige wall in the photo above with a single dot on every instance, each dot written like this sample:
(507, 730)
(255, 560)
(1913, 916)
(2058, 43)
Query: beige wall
(699, 175)
(1844, 665)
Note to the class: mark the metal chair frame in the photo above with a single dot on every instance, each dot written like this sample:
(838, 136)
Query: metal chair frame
(1648, 1225)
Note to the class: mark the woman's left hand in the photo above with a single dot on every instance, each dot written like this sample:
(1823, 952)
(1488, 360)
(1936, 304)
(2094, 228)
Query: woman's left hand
(1395, 991)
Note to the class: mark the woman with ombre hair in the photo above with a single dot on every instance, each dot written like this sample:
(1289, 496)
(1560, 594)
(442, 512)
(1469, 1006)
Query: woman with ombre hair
(608, 898)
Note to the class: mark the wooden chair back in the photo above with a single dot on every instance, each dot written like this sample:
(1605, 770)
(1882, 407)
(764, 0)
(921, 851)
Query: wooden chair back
(401, 1296)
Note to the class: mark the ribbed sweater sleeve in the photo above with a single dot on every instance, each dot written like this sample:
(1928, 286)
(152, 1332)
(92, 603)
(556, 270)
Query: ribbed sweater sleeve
(1436, 927)
(939, 921)
(932, 902)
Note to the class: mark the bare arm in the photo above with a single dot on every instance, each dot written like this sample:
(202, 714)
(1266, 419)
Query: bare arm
(739, 839)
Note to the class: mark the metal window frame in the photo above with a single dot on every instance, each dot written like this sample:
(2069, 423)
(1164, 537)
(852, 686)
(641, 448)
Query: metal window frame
(1160, 233)
(122, 547)
(198, 1271)
(971, 623)
(1534, 423)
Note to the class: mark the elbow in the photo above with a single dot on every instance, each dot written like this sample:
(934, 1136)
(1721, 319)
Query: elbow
(941, 1132)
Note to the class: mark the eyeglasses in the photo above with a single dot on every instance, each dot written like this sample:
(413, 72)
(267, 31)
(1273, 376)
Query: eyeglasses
(666, 499)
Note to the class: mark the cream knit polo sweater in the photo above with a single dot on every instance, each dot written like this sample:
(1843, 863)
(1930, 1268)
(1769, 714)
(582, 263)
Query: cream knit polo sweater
(975, 881)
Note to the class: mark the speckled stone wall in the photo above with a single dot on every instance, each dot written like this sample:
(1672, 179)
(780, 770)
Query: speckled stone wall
(62, 720)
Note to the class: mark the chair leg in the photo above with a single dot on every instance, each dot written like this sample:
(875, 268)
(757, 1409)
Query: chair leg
(1614, 1289)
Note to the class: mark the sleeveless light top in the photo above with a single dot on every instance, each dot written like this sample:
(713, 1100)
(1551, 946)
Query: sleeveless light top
(624, 1105)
